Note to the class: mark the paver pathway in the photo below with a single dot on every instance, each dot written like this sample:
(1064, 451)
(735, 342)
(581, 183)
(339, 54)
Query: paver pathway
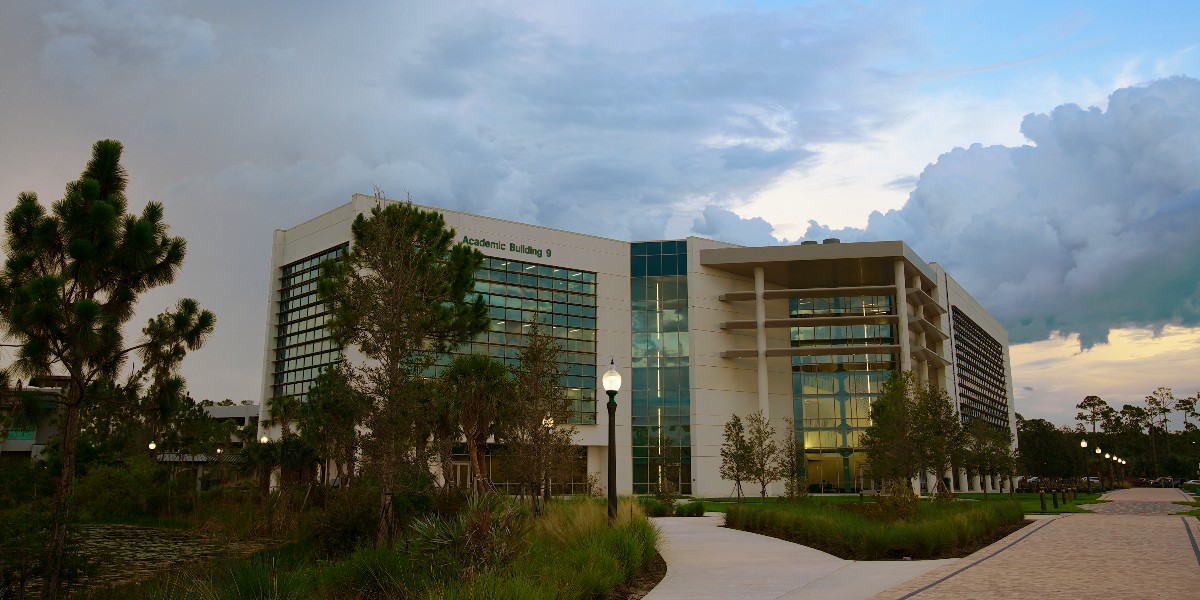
(1130, 548)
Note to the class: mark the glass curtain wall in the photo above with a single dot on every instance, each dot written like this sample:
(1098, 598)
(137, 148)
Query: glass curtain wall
(832, 394)
(303, 347)
(660, 390)
(563, 301)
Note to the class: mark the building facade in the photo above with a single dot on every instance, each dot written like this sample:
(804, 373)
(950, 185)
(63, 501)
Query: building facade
(699, 329)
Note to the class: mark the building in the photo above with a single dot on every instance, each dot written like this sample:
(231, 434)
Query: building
(34, 412)
(700, 330)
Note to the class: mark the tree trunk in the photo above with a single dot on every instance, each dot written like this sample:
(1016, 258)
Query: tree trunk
(56, 549)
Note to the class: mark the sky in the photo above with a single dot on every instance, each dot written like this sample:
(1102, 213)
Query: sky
(1046, 154)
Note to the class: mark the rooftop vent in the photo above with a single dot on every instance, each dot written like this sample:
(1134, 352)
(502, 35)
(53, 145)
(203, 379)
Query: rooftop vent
(831, 241)
(809, 243)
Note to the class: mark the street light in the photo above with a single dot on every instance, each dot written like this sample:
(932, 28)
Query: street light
(264, 439)
(612, 384)
(152, 445)
(547, 424)
(1099, 472)
(1083, 444)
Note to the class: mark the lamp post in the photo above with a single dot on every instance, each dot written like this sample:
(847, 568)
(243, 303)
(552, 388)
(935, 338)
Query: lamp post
(612, 384)
(547, 424)
(1083, 444)
(1099, 473)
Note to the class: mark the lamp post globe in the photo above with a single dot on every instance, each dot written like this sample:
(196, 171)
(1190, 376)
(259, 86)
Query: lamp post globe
(612, 384)
(152, 445)
(264, 439)
(1083, 443)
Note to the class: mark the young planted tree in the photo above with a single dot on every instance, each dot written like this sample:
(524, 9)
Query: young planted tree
(890, 441)
(938, 435)
(70, 283)
(795, 482)
(480, 389)
(763, 451)
(537, 434)
(404, 296)
(735, 454)
(987, 451)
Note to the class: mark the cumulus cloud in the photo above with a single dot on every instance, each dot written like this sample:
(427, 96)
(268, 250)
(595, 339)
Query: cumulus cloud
(1090, 227)
(612, 118)
(727, 226)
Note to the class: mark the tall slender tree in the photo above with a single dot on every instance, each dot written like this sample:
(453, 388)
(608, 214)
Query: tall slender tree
(480, 388)
(735, 454)
(938, 434)
(404, 297)
(538, 433)
(71, 281)
(763, 451)
(889, 442)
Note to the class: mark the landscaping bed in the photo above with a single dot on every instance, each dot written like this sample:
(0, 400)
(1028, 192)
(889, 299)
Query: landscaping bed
(858, 532)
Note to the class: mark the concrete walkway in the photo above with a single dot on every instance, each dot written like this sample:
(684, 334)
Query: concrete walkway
(707, 561)
(1130, 549)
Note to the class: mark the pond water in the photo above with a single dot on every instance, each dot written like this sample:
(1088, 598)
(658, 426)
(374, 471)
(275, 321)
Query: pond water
(122, 553)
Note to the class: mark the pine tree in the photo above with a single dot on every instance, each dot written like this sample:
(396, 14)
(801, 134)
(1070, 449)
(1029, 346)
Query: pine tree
(404, 297)
(71, 281)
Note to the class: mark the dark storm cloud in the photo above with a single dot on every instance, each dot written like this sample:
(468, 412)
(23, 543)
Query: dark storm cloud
(1090, 228)
(611, 118)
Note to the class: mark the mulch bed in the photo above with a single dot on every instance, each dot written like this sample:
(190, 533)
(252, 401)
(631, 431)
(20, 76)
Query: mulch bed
(642, 582)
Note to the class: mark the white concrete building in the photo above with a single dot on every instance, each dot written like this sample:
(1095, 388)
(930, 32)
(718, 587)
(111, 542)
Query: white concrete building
(699, 330)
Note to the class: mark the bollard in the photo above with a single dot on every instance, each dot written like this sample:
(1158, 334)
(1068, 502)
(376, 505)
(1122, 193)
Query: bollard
(1042, 497)
(1054, 498)
(860, 496)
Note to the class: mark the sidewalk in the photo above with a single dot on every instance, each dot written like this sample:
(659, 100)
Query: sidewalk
(1131, 548)
(707, 561)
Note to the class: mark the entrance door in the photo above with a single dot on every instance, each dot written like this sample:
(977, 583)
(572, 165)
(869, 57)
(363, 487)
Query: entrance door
(462, 475)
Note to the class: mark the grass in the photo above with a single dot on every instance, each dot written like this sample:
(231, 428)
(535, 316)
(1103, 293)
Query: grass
(1194, 504)
(940, 530)
(1031, 503)
(572, 553)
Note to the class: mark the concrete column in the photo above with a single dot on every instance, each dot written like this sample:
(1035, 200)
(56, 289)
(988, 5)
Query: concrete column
(902, 312)
(916, 484)
(975, 484)
(760, 318)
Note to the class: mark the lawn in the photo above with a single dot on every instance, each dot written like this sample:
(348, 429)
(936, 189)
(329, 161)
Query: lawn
(1031, 503)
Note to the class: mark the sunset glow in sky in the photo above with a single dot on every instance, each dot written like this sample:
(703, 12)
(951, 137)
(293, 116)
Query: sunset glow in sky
(1046, 154)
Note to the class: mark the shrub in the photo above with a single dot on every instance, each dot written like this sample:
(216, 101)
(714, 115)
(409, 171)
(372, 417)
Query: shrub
(487, 533)
(691, 509)
(655, 507)
(349, 521)
(113, 492)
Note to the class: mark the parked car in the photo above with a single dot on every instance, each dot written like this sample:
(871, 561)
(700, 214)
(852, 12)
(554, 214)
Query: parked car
(1164, 482)
(1138, 481)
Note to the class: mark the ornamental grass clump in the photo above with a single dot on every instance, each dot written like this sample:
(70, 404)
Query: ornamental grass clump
(939, 530)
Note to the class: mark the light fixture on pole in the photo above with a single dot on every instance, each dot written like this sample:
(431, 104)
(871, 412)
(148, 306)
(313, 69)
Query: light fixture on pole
(152, 445)
(264, 439)
(1083, 444)
(547, 424)
(612, 384)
